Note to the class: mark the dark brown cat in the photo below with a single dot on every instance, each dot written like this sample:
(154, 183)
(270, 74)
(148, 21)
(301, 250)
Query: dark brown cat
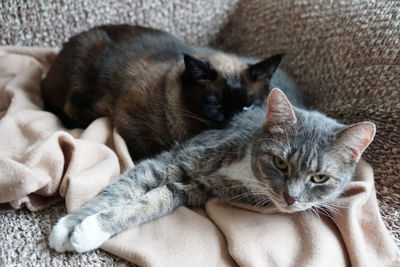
(155, 88)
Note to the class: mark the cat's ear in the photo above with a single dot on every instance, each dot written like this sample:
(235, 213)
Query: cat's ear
(198, 69)
(265, 69)
(280, 113)
(354, 139)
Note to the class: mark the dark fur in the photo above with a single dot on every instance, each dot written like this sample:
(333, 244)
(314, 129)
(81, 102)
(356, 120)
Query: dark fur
(155, 88)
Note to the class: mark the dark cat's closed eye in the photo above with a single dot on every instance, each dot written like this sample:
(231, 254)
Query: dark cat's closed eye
(155, 88)
(211, 108)
(213, 100)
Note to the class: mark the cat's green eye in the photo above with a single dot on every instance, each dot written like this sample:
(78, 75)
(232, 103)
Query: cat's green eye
(319, 179)
(280, 164)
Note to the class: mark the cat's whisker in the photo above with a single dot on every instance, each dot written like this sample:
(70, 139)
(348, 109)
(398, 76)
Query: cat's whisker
(334, 209)
(249, 193)
(240, 196)
(252, 184)
(271, 192)
(246, 194)
(334, 212)
(256, 183)
(325, 212)
(335, 205)
(315, 211)
(263, 202)
(263, 199)
(310, 212)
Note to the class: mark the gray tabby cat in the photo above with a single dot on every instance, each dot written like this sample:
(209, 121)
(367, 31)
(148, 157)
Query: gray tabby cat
(289, 157)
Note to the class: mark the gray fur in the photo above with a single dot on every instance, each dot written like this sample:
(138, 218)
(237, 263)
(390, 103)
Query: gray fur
(234, 164)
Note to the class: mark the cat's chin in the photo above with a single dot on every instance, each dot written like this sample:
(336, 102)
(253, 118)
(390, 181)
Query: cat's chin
(284, 208)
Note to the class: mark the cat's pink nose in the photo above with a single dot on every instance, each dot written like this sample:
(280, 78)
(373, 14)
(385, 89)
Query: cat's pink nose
(289, 199)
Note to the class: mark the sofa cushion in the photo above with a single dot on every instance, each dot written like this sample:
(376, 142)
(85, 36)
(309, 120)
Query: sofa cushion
(346, 56)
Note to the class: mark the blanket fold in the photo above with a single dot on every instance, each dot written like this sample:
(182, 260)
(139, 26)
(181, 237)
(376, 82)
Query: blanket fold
(41, 162)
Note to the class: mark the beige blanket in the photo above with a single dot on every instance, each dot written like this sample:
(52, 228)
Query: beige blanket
(41, 161)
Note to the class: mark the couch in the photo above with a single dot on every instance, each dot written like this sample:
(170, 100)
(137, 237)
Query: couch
(344, 54)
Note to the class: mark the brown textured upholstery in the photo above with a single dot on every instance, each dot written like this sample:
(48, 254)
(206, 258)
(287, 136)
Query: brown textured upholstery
(344, 54)
(50, 23)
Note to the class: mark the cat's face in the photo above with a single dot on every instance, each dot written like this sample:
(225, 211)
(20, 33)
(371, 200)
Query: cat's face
(219, 86)
(303, 158)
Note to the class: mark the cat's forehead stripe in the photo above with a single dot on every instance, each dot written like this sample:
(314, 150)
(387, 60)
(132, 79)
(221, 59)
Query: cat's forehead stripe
(301, 157)
(303, 161)
(313, 161)
(307, 153)
(319, 162)
(291, 154)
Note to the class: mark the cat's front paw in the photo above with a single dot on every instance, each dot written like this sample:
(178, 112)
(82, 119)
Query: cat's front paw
(59, 236)
(88, 235)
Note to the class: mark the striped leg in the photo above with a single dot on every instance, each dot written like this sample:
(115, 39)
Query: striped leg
(127, 189)
(99, 227)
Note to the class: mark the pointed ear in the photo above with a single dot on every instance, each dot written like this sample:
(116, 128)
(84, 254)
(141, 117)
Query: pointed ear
(280, 112)
(354, 139)
(198, 69)
(266, 68)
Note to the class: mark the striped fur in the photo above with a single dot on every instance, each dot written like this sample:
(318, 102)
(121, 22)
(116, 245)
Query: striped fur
(234, 164)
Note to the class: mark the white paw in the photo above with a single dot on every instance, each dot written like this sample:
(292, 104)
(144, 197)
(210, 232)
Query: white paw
(59, 237)
(88, 235)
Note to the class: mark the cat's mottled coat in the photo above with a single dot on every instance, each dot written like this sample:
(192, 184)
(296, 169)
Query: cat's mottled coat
(289, 157)
(155, 88)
